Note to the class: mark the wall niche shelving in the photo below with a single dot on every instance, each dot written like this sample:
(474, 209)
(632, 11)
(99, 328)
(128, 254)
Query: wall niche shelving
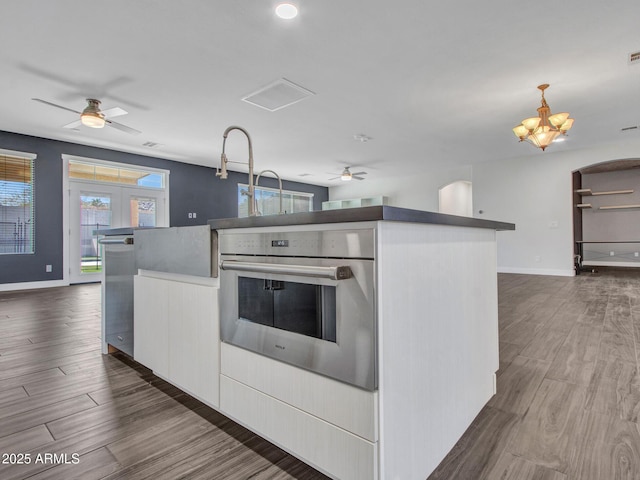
(584, 192)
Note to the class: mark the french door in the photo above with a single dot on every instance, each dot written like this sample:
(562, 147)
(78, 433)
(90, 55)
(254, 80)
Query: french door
(95, 206)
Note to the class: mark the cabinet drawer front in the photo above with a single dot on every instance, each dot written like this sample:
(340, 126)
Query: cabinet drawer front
(345, 406)
(326, 447)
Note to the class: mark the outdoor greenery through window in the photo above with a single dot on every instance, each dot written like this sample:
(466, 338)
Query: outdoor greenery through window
(16, 203)
(268, 201)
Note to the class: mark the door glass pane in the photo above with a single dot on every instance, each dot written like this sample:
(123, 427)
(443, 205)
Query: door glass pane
(95, 214)
(143, 212)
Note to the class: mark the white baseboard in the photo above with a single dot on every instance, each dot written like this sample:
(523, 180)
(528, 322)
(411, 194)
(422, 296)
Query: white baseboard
(9, 287)
(538, 271)
(595, 263)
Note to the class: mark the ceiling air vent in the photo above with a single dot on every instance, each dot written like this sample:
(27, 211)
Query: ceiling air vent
(277, 95)
(152, 144)
(634, 58)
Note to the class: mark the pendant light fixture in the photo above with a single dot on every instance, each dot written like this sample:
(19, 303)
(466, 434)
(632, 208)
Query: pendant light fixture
(540, 131)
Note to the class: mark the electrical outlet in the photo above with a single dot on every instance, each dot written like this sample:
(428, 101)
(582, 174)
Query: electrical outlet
(611, 254)
(190, 215)
(195, 215)
(635, 254)
(48, 268)
(553, 224)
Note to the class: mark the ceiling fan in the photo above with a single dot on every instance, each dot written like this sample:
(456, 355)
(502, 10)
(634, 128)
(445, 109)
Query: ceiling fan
(93, 117)
(346, 175)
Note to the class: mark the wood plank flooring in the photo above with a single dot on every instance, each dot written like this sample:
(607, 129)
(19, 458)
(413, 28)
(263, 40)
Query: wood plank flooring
(59, 395)
(567, 407)
(568, 401)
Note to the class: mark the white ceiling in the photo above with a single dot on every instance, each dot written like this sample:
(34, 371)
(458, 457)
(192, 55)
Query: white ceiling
(433, 83)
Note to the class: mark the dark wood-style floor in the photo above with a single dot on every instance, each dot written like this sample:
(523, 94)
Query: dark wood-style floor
(568, 402)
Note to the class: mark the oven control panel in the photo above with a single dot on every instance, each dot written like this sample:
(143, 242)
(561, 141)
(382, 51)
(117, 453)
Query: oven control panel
(358, 243)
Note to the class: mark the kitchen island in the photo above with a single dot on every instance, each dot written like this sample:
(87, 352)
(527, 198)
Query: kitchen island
(425, 282)
(435, 344)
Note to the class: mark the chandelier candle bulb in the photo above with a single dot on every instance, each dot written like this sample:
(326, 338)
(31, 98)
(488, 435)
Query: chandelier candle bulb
(540, 131)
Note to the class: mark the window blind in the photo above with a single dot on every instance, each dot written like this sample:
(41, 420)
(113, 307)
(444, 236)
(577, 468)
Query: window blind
(16, 204)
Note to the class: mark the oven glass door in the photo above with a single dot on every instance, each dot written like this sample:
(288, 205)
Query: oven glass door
(301, 312)
(301, 308)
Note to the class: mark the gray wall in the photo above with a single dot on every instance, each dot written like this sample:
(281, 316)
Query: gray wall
(193, 189)
(611, 225)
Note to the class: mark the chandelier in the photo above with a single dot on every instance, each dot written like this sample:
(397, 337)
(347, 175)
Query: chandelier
(540, 131)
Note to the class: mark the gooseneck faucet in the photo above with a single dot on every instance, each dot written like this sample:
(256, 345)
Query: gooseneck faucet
(222, 173)
(279, 186)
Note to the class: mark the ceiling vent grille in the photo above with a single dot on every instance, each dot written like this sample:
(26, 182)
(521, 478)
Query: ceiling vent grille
(277, 95)
(634, 58)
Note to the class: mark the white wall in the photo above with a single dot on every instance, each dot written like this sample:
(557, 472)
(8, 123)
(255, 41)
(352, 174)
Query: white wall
(457, 199)
(534, 192)
(410, 191)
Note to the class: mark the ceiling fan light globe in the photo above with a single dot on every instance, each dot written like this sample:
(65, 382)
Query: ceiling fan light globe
(92, 120)
(345, 177)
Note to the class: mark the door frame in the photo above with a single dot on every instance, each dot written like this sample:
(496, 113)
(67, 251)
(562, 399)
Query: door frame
(65, 158)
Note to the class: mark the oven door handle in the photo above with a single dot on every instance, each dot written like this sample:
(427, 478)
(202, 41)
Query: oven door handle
(333, 273)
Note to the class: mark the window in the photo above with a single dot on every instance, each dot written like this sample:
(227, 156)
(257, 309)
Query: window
(16, 202)
(114, 174)
(268, 201)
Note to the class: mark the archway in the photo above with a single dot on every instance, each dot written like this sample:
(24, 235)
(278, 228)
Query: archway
(456, 199)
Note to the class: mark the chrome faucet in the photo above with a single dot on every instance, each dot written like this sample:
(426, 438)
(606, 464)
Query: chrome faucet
(222, 172)
(279, 186)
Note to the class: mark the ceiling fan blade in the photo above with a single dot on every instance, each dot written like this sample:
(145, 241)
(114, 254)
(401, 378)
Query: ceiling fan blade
(334, 178)
(55, 105)
(113, 112)
(72, 125)
(123, 128)
(359, 173)
(357, 178)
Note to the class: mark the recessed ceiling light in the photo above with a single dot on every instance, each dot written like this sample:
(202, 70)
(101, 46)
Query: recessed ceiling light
(287, 11)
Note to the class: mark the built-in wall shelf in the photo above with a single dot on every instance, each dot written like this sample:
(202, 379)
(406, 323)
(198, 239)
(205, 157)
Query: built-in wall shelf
(587, 191)
(584, 205)
(355, 202)
(613, 207)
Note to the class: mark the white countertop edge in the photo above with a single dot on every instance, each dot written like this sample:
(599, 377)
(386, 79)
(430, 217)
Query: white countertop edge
(179, 277)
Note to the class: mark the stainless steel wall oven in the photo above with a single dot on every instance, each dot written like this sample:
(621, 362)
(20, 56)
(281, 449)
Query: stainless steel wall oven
(303, 297)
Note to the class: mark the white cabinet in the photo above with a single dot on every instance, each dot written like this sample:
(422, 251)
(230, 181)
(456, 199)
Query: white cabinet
(332, 450)
(151, 324)
(329, 424)
(345, 406)
(176, 329)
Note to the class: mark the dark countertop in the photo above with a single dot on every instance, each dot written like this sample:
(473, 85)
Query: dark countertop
(362, 214)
